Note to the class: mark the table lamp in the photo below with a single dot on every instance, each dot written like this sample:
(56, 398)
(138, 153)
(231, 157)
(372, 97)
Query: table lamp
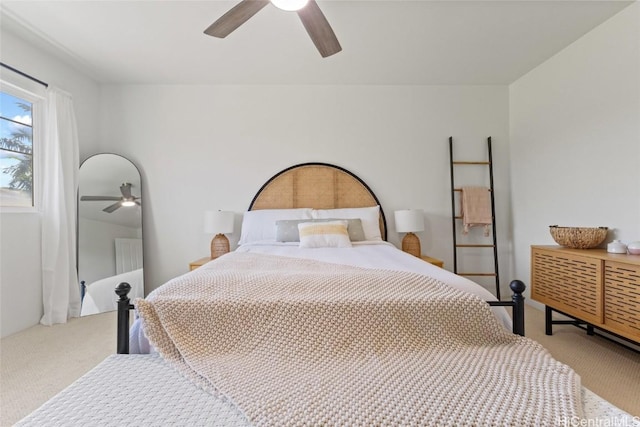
(219, 223)
(410, 221)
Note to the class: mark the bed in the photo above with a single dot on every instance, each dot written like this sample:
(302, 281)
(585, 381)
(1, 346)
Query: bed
(351, 332)
(98, 296)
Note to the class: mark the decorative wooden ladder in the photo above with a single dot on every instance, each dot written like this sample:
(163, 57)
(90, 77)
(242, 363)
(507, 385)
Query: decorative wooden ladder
(457, 217)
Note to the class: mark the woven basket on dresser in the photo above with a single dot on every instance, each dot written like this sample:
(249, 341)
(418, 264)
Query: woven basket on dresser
(578, 237)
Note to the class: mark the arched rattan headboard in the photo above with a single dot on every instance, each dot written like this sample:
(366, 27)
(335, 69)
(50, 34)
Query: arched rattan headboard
(318, 186)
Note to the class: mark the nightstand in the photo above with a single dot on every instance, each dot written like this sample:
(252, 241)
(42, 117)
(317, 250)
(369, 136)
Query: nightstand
(199, 263)
(434, 261)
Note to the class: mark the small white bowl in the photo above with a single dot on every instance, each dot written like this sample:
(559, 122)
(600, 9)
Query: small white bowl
(634, 248)
(617, 247)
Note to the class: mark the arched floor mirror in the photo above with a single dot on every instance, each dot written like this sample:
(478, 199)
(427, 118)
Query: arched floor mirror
(109, 231)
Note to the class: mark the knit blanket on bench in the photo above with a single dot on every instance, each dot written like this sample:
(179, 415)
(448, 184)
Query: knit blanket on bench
(300, 342)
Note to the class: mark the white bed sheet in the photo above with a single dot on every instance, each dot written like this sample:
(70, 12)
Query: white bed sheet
(382, 255)
(100, 295)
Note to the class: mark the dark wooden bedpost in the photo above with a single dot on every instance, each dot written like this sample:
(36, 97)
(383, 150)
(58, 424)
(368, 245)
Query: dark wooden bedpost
(124, 305)
(518, 287)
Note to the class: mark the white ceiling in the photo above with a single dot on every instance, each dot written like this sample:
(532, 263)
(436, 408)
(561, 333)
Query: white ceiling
(384, 42)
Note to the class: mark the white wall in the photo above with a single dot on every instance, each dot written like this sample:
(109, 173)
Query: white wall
(211, 147)
(575, 138)
(20, 273)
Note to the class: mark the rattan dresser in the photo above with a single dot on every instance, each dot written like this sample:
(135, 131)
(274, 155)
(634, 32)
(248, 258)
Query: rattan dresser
(589, 285)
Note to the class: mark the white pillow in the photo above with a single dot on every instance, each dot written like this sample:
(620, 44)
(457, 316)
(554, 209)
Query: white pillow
(260, 225)
(330, 234)
(370, 218)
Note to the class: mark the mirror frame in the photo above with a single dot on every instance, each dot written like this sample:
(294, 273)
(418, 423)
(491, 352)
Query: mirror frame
(102, 183)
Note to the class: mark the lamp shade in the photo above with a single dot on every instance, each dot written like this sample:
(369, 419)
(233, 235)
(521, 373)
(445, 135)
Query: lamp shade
(409, 220)
(218, 222)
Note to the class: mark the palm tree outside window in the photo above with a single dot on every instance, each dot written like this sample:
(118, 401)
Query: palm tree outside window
(16, 151)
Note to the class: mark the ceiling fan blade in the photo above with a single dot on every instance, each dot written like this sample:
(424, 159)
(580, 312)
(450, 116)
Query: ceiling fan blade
(99, 198)
(112, 207)
(319, 29)
(125, 189)
(235, 17)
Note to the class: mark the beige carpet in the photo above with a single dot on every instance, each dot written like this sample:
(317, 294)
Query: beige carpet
(610, 370)
(41, 361)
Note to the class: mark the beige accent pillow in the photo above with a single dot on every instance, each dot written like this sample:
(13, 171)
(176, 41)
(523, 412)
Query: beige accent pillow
(330, 234)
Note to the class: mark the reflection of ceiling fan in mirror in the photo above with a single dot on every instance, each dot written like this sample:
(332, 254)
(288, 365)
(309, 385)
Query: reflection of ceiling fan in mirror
(126, 200)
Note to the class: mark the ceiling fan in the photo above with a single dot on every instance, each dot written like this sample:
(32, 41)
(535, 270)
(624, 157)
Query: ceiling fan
(126, 200)
(309, 12)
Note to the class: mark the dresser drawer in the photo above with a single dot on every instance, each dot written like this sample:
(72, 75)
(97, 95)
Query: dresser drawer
(622, 298)
(569, 283)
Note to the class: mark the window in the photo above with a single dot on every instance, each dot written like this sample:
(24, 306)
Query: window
(19, 137)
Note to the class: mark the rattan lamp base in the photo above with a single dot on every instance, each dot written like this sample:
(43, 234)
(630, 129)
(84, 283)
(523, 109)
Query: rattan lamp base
(411, 244)
(219, 245)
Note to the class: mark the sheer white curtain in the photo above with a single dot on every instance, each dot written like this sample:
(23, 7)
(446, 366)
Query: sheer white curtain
(60, 164)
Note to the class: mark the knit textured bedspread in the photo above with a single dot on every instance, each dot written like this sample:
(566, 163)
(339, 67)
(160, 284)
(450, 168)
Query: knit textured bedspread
(300, 342)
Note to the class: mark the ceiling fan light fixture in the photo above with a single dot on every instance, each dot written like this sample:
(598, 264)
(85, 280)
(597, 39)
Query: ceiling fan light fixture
(308, 11)
(290, 5)
(128, 203)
